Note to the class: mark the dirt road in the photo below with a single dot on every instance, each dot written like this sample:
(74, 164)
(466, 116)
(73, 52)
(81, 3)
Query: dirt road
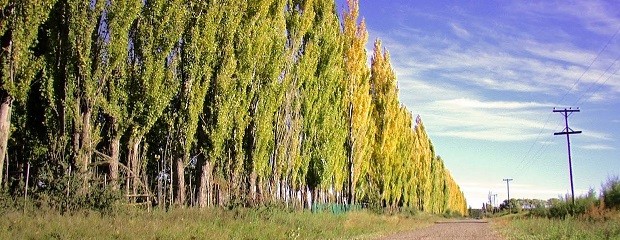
(463, 229)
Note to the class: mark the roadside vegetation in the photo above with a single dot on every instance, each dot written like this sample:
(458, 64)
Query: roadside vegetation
(591, 217)
(209, 223)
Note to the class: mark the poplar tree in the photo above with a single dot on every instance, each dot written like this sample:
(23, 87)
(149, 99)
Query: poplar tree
(222, 99)
(264, 106)
(323, 135)
(256, 50)
(120, 16)
(85, 73)
(153, 57)
(260, 61)
(357, 100)
(19, 23)
(385, 110)
(197, 55)
(299, 15)
(424, 155)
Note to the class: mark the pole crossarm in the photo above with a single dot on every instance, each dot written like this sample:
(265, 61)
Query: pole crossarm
(570, 110)
(567, 132)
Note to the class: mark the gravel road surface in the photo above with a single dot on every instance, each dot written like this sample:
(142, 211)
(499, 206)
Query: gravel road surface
(462, 229)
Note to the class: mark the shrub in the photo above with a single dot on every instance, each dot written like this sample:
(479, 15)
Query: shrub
(559, 210)
(611, 193)
(539, 211)
(597, 213)
(563, 208)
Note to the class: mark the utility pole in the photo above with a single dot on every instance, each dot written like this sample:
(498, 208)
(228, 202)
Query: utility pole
(568, 131)
(508, 188)
(494, 201)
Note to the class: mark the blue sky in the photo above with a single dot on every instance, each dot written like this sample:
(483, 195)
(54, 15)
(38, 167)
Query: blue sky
(485, 77)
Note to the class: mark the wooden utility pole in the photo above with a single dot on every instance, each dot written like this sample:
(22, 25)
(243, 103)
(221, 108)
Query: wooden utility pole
(568, 131)
(494, 201)
(508, 188)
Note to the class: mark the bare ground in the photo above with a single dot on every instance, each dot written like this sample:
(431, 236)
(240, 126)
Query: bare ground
(461, 229)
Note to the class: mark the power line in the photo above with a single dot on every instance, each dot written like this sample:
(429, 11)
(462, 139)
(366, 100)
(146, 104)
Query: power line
(589, 66)
(596, 83)
(523, 159)
(533, 143)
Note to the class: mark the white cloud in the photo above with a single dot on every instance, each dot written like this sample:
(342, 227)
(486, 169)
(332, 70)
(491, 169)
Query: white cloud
(597, 16)
(597, 135)
(496, 85)
(484, 120)
(505, 59)
(460, 31)
(598, 97)
(562, 52)
(464, 102)
(597, 147)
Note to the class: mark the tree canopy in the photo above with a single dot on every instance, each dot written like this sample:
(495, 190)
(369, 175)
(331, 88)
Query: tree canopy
(208, 103)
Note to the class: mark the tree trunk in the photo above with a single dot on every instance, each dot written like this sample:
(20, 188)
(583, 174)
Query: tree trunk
(114, 156)
(85, 151)
(351, 182)
(5, 127)
(204, 188)
(179, 179)
(133, 163)
(260, 198)
(253, 188)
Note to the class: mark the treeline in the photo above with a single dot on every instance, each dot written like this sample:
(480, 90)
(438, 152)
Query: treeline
(208, 103)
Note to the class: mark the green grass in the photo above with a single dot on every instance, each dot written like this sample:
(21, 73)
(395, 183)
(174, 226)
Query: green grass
(242, 223)
(570, 228)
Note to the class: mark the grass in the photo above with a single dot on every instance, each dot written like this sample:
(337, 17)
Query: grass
(242, 223)
(523, 227)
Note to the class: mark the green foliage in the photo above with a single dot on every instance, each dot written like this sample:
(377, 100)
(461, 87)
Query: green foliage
(611, 193)
(253, 103)
(63, 195)
(588, 206)
(564, 208)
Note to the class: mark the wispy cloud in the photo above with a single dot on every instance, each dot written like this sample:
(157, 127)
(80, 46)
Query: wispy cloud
(460, 31)
(470, 103)
(597, 135)
(484, 120)
(546, 143)
(597, 16)
(560, 52)
(495, 82)
(597, 147)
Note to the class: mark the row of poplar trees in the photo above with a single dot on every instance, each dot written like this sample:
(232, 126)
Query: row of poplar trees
(208, 103)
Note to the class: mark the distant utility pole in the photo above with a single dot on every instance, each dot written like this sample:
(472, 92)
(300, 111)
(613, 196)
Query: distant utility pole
(568, 131)
(508, 188)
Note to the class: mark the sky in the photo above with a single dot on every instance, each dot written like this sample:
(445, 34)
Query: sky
(485, 77)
